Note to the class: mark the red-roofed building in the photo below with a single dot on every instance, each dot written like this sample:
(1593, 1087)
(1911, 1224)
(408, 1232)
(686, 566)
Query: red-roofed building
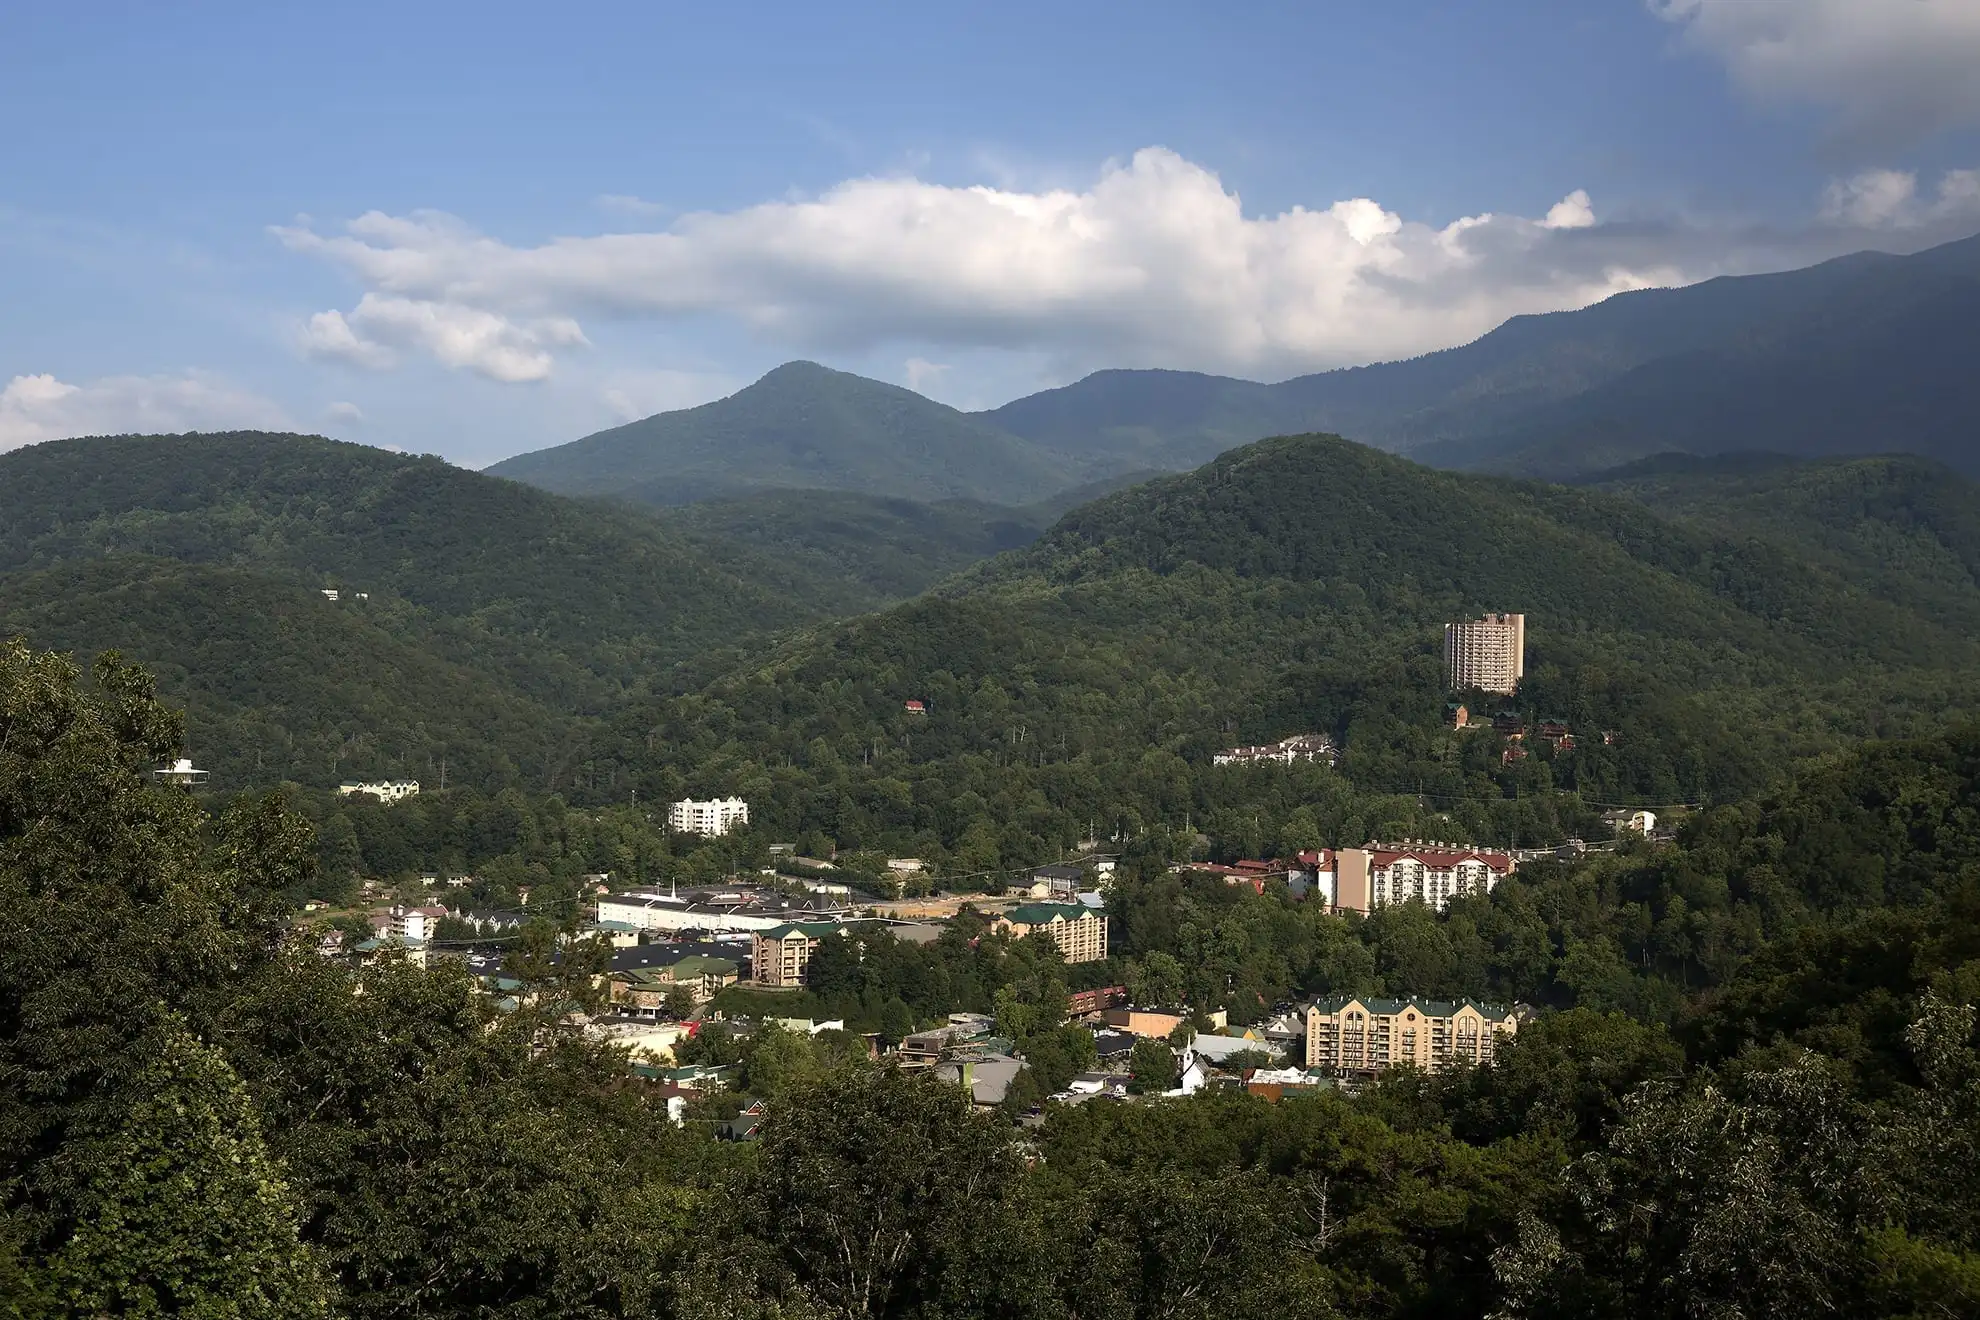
(915, 708)
(1381, 874)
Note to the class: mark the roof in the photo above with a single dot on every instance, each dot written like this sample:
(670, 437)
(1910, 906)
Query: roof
(1383, 1007)
(1441, 859)
(701, 964)
(1043, 914)
(1058, 872)
(1219, 1048)
(809, 929)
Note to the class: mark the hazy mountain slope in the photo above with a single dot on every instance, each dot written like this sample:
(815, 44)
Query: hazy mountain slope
(802, 426)
(1864, 353)
(1893, 372)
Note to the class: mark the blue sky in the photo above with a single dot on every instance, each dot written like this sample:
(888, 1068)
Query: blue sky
(477, 230)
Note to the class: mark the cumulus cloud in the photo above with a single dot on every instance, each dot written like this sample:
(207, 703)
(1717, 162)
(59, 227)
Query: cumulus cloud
(378, 328)
(36, 408)
(346, 412)
(1893, 71)
(1890, 200)
(1155, 264)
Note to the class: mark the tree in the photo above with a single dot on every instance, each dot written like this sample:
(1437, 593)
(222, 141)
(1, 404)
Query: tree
(179, 1208)
(1151, 1067)
(881, 1194)
(679, 1002)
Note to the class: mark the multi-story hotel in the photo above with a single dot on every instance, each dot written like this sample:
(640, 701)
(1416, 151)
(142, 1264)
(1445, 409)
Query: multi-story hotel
(1381, 874)
(779, 957)
(1078, 930)
(1488, 653)
(1362, 1037)
(717, 816)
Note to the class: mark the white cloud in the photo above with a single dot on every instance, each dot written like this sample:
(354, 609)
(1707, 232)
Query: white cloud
(1889, 200)
(922, 373)
(1893, 71)
(1573, 211)
(36, 408)
(346, 412)
(454, 334)
(328, 335)
(1155, 264)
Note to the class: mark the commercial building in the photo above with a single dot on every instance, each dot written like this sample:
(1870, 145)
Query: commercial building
(1363, 1037)
(715, 816)
(1487, 654)
(1078, 930)
(712, 909)
(780, 955)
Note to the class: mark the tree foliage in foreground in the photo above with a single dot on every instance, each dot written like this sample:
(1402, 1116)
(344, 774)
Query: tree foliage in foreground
(197, 1119)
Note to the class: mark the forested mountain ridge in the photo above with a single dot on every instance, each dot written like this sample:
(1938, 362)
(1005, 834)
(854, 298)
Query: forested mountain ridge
(802, 426)
(469, 594)
(1301, 584)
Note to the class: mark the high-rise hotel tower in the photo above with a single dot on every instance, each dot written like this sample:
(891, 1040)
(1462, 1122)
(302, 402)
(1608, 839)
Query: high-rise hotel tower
(1488, 653)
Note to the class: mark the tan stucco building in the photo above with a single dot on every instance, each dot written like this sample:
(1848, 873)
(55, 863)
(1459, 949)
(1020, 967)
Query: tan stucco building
(1360, 1036)
(1078, 930)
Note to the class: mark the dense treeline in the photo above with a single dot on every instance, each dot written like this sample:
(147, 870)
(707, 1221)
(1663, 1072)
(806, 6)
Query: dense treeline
(499, 620)
(199, 1120)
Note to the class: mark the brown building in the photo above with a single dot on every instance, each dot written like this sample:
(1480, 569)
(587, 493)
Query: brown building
(780, 954)
(1362, 1037)
(1078, 930)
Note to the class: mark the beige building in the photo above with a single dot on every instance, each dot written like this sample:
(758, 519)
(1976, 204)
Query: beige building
(1079, 931)
(1362, 1037)
(780, 955)
(1487, 653)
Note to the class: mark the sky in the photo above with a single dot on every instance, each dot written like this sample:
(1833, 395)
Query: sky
(477, 230)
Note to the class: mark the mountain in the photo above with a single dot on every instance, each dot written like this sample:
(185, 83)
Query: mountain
(1301, 584)
(849, 553)
(802, 426)
(1900, 528)
(477, 619)
(880, 549)
(1866, 353)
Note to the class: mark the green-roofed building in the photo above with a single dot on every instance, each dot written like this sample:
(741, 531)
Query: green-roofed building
(780, 954)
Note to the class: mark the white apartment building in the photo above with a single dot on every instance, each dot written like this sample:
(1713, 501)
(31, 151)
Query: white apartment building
(385, 790)
(715, 816)
(1382, 874)
(1487, 653)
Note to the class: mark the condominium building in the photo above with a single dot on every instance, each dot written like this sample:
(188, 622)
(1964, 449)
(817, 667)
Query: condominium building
(1487, 653)
(385, 790)
(1382, 874)
(716, 816)
(1363, 1037)
(780, 956)
(1078, 930)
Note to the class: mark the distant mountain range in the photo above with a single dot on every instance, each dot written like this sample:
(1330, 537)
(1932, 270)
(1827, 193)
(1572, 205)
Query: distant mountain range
(1868, 353)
